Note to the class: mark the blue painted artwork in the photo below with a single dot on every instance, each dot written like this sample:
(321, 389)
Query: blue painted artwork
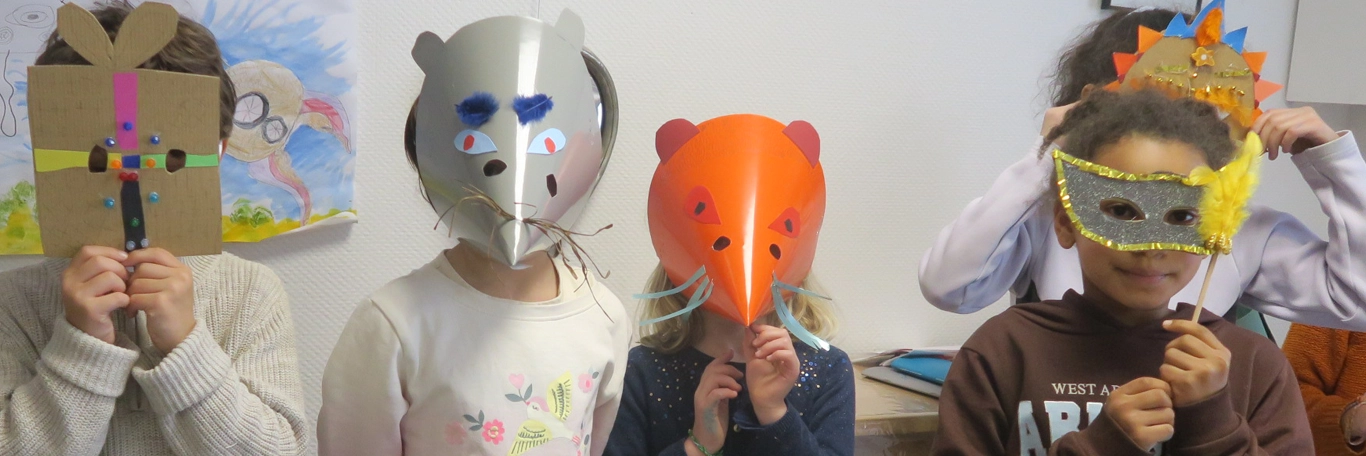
(289, 163)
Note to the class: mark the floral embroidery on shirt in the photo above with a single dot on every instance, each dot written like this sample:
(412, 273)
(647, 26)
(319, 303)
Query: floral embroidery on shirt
(455, 433)
(586, 382)
(546, 415)
(494, 432)
(493, 429)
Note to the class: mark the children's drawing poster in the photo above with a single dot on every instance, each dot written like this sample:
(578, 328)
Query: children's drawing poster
(290, 161)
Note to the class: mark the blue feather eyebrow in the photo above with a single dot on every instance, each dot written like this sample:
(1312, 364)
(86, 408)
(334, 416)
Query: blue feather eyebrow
(532, 108)
(477, 109)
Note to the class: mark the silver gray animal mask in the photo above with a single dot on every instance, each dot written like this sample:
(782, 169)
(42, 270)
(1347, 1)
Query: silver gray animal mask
(517, 110)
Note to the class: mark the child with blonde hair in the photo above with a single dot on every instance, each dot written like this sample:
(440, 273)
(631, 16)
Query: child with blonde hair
(735, 226)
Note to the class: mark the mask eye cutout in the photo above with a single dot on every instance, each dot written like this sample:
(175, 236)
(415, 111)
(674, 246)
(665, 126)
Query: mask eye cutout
(474, 142)
(546, 143)
(701, 207)
(99, 160)
(1122, 209)
(788, 223)
(1182, 216)
(175, 160)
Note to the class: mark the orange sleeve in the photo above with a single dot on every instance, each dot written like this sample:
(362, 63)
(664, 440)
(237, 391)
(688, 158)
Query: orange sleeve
(1329, 365)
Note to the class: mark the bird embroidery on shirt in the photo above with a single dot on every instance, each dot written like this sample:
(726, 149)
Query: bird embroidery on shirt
(546, 417)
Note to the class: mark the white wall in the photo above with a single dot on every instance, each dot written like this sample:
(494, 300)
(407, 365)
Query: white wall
(920, 104)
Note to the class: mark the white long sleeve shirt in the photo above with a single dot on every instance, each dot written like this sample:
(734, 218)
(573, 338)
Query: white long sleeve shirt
(1005, 242)
(231, 387)
(430, 366)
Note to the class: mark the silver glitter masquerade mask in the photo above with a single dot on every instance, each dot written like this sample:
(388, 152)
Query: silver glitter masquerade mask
(1130, 212)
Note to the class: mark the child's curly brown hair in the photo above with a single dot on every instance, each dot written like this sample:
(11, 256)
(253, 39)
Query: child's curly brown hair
(1090, 59)
(1103, 118)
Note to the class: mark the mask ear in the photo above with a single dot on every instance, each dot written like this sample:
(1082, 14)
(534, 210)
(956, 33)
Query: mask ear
(428, 52)
(805, 137)
(672, 136)
(84, 33)
(570, 27)
(144, 33)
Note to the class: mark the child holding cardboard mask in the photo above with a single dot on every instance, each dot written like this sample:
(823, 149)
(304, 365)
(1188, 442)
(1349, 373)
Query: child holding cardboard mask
(207, 340)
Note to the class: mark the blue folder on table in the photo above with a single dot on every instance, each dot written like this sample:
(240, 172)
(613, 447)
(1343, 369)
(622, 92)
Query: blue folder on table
(929, 365)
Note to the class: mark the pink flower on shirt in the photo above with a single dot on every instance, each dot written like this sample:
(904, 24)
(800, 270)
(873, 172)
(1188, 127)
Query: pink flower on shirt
(455, 434)
(585, 382)
(493, 432)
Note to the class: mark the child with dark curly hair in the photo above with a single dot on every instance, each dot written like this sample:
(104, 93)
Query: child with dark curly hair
(1111, 369)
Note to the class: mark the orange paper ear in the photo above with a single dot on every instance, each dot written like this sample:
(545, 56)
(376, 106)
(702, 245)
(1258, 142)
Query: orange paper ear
(806, 139)
(742, 198)
(671, 136)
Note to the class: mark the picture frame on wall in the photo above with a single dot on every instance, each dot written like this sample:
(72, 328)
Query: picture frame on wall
(1129, 5)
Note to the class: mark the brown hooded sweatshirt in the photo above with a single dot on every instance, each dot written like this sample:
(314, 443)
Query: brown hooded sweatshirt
(1034, 379)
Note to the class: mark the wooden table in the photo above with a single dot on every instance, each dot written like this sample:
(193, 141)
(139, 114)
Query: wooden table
(890, 420)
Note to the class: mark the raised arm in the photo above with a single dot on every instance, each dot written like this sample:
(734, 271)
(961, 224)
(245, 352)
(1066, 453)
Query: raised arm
(242, 398)
(58, 400)
(1327, 279)
(987, 250)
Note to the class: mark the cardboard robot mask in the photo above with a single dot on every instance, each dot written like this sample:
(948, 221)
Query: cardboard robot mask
(735, 209)
(515, 110)
(124, 157)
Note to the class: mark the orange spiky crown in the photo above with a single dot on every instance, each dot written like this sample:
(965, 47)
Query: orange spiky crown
(1199, 60)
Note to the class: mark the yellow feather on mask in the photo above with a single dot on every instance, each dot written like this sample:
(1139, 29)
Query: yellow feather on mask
(1227, 191)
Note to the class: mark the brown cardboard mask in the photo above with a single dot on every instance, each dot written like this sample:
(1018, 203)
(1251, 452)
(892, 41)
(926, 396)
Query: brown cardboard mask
(1200, 61)
(124, 157)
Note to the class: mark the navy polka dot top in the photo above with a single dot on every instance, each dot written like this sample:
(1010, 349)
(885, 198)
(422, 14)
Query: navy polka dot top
(657, 407)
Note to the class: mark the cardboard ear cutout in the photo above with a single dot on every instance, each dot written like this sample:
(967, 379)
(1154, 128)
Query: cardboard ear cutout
(427, 51)
(672, 136)
(84, 33)
(805, 137)
(570, 27)
(144, 33)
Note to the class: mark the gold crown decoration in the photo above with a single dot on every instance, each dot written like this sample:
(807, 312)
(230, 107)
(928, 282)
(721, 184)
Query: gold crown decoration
(1200, 61)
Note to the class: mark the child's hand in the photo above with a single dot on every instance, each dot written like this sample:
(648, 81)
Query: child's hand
(1053, 116)
(164, 288)
(1143, 410)
(711, 404)
(92, 287)
(1196, 364)
(1292, 130)
(771, 372)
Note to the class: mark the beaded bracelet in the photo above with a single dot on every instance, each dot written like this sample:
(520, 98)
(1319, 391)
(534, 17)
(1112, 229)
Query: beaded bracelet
(700, 447)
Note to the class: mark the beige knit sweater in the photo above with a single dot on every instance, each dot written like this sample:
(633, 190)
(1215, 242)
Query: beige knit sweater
(232, 387)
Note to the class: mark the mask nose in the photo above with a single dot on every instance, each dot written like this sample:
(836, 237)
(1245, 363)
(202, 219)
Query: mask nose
(743, 275)
(494, 167)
